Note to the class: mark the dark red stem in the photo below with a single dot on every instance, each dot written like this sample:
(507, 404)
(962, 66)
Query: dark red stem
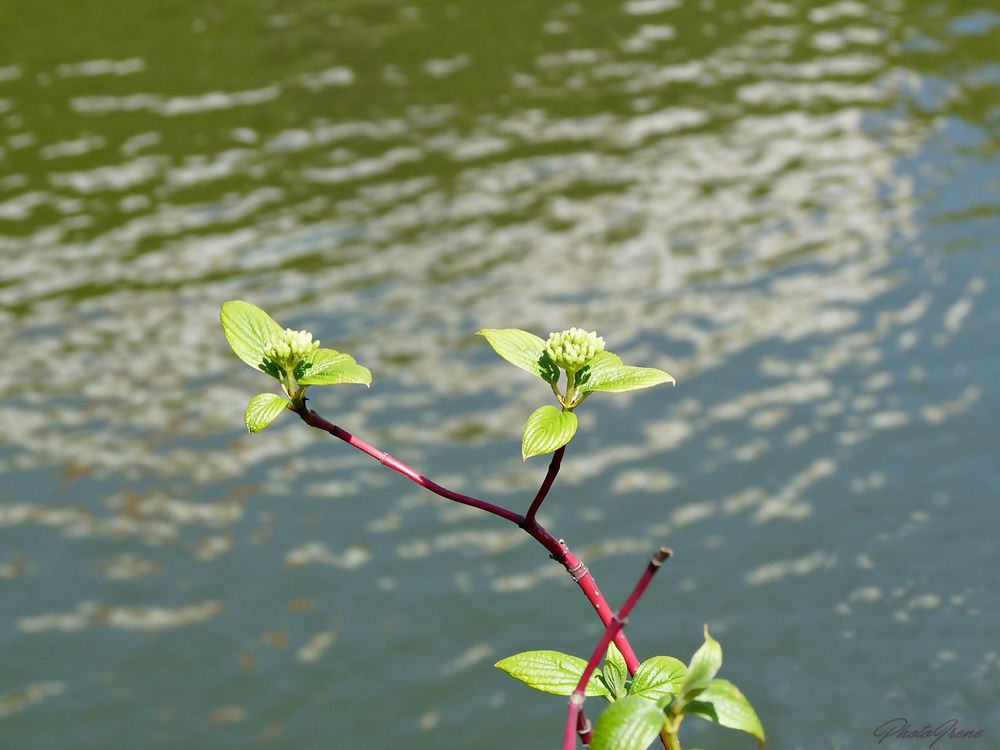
(583, 728)
(557, 548)
(613, 630)
(550, 477)
(313, 419)
(562, 554)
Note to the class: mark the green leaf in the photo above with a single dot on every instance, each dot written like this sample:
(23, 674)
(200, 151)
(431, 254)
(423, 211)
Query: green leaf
(550, 672)
(547, 429)
(523, 349)
(659, 676)
(730, 706)
(698, 707)
(248, 329)
(618, 378)
(615, 672)
(601, 362)
(629, 724)
(705, 664)
(262, 410)
(330, 367)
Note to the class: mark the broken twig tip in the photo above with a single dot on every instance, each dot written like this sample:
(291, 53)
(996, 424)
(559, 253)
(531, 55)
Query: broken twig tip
(663, 554)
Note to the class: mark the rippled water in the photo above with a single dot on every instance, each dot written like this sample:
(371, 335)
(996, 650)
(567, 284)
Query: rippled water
(792, 207)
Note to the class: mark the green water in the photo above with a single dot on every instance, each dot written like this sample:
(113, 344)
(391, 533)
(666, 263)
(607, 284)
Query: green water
(791, 207)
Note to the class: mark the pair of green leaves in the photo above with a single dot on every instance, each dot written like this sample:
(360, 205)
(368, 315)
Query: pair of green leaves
(249, 330)
(636, 721)
(657, 698)
(558, 673)
(549, 427)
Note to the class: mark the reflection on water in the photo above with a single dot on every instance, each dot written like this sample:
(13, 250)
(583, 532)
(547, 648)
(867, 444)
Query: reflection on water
(789, 206)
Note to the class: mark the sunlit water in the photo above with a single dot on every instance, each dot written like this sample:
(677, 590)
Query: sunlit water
(791, 207)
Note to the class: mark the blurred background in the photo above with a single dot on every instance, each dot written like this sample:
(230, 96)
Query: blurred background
(790, 206)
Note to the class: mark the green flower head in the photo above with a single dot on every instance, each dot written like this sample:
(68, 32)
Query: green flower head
(288, 348)
(573, 348)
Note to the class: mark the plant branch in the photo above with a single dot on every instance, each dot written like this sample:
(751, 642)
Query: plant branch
(313, 419)
(543, 491)
(618, 621)
(584, 728)
(561, 553)
(670, 740)
(557, 548)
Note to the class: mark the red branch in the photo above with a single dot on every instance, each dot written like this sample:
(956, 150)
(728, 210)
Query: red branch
(550, 477)
(557, 548)
(313, 419)
(613, 630)
(583, 728)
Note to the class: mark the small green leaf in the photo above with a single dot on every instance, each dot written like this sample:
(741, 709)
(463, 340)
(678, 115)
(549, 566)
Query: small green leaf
(615, 379)
(629, 724)
(248, 329)
(658, 676)
(262, 410)
(330, 367)
(705, 664)
(523, 349)
(615, 672)
(550, 672)
(730, 706)
(547, 429)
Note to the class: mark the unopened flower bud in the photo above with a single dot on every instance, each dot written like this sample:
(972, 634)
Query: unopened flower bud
(573, 348)
(288, 348)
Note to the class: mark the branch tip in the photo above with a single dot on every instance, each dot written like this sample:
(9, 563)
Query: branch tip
(661, 556)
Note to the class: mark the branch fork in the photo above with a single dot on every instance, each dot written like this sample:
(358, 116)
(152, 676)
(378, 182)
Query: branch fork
(613, 630)
(557, 548)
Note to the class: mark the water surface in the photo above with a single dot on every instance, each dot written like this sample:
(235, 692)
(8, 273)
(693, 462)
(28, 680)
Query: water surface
(791, 207)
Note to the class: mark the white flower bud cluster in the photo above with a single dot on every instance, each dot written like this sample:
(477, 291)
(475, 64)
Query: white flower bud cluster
(573, 348)
(289, 347)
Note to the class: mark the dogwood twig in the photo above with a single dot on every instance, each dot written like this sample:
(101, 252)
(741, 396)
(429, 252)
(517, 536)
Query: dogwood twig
(557, 548)
(611, 632)
(543, 491)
